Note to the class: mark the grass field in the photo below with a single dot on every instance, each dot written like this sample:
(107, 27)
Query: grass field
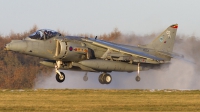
(99, 100)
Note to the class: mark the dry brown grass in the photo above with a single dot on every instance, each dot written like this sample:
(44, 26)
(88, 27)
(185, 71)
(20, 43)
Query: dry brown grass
(99, 100)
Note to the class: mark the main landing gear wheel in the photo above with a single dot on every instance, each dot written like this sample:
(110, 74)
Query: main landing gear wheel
(85, 78)
(60, 77)
(105, 78)
(101, 78)
(137, 78)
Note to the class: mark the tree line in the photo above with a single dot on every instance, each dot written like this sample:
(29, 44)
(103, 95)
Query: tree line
(18, 70)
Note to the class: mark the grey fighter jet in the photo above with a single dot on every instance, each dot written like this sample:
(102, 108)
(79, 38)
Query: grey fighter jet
(94, 55)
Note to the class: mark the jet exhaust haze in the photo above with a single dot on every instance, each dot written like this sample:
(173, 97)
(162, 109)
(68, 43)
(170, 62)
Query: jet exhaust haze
(179, 74)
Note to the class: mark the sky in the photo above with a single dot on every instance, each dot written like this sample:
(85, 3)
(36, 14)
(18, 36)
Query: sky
(100, 16)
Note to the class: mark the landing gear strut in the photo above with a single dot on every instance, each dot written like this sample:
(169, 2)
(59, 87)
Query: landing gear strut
(137, 78)
(85, 78)
(105, 78)
(60, 76)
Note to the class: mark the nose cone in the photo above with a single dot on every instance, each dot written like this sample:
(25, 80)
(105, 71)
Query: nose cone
(16, 45)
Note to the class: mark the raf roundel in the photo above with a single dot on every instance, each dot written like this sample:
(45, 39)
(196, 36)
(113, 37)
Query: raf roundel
(70, 48)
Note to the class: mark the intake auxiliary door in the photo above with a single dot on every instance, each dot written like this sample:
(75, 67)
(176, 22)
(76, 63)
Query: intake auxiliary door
(60, 49)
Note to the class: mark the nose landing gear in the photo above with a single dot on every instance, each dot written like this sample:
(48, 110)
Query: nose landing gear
(60, 76)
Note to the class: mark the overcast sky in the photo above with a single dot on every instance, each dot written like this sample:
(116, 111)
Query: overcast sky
(100, 16)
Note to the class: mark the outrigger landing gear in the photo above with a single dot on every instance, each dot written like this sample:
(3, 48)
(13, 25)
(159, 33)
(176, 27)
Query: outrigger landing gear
(85, 77)
(60, 76)
(105, 78)
(137, 78)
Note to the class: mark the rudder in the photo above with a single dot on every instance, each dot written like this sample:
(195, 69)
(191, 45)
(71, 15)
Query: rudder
(165, 41)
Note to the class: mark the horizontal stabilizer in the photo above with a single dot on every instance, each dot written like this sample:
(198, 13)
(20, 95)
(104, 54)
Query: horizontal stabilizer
(172, 54)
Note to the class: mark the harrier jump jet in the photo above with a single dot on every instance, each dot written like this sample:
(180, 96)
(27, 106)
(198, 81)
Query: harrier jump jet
(94, 55)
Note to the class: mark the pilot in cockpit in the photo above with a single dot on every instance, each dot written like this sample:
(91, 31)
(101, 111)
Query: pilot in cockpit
(47, 34)
(44, 34)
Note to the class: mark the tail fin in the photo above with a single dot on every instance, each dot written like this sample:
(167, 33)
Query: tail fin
(165, 41)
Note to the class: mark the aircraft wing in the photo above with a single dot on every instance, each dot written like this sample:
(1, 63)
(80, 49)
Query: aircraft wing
(121, 49)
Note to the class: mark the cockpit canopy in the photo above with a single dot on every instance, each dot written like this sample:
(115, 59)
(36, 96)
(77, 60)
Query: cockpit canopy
(44, 34)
